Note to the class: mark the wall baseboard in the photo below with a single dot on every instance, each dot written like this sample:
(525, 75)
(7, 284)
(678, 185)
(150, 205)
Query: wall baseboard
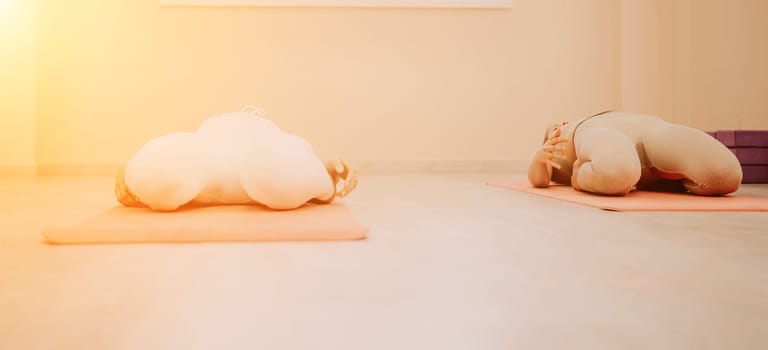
(363, 168)
(17, 170)
(439, 167)
(77, 169)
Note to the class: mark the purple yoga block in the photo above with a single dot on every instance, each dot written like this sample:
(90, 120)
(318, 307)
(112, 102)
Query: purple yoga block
(754, 174)
(751, 156)
(743, 138)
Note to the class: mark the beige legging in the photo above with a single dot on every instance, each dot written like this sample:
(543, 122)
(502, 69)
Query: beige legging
(616, 149)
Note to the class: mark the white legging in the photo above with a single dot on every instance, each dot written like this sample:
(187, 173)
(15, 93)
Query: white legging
(234, 158)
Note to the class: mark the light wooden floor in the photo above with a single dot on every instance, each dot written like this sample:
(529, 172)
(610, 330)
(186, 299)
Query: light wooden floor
(450, 264)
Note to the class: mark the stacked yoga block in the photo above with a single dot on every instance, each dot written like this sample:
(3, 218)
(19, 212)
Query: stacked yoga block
(751, 148)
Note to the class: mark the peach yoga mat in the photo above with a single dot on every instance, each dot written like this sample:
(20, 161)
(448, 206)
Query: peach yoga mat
(237, 223)
(642, 200)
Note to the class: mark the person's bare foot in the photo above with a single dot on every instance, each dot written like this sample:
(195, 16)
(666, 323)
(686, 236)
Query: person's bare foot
(342, 173)
(122, 193)
(344, 179)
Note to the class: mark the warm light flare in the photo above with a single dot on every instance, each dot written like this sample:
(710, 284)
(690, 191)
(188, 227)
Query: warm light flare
(18, 50)
(6, 6)
(14, 13)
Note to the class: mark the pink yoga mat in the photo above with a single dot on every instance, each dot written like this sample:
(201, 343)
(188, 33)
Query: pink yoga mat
(244, 223)
(642, 200)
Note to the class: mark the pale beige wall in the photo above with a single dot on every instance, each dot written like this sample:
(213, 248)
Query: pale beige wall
(18, 47)
(367, 84)
(729, 65)
(644, 77)
(371, 84)
(697, 62)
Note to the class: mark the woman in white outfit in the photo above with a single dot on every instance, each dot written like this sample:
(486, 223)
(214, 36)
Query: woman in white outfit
(234, 158)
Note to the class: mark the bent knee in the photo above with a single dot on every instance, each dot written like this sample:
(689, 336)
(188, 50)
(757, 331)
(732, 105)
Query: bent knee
(716, 182)
(615, 181)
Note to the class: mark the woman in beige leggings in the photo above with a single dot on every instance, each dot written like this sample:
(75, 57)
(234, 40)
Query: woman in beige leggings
(612, 153)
